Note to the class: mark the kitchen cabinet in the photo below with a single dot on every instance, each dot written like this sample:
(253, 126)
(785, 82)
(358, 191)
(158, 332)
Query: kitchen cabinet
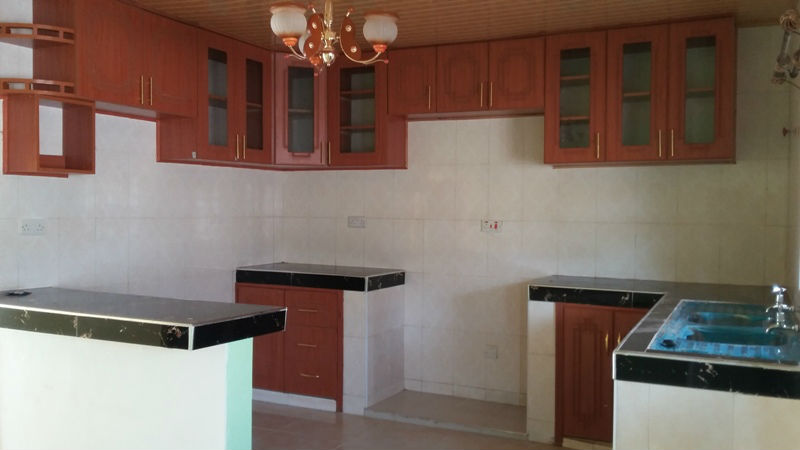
(307, 358)
(516, 74)
(361, 133)
(702, 90)
(156, 70)
(638, 67)
(412, 81)
(461, 74)
(586, 337)
(575, 86)
(267, 349)
(234, 117)
(300, 113)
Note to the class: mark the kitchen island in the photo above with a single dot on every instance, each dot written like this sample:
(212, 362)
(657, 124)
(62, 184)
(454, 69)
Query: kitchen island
(82, 369)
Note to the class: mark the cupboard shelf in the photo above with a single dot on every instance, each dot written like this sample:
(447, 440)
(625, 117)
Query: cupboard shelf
(636, 94)
(36, 86)
(575, 77)
(300, 111)
(37, 32)
(574, 119)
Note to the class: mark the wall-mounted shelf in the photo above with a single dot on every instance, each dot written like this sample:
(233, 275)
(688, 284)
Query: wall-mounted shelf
(62, 145)
(37, 32)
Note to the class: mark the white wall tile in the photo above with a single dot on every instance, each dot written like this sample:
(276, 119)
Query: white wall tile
(764, 422)
(505, 192)
(438, 358)
(616, 250)
(698, 253)
(472, 141)
(657, 191)
(541, 329)
(541, 402)
(692, 411)
(8, 254)
(472, 192)
(655, 252)
(577, 195)
(576, 249)
(408, 244)
(631, 410)
(742, 254)
(412, 347)
(616, 194)
(76, 253)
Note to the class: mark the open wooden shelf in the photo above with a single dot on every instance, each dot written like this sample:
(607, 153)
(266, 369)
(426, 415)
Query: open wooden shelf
(21, 141)
(37, 32)
(36, 86)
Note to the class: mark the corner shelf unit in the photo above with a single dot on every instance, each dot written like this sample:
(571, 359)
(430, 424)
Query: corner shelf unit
(37, 32)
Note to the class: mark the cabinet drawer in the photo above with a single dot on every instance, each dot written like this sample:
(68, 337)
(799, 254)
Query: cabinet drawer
(311, 344)
(312, 308)
(311, 361)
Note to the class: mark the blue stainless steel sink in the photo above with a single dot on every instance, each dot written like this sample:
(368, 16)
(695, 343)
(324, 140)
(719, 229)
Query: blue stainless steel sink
(734, 330)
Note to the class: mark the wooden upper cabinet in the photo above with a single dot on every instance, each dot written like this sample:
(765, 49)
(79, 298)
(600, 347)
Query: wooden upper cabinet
(217, 95)
(412, 81)
(462, 71)
(516, 74)
(109, 52)
(300, 113)
(254, 113)
(169, 65)
(702, 90)
(637, 93)
(135, 58)
(575, 84)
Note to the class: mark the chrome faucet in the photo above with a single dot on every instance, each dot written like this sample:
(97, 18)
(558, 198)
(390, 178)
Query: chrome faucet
(781, 322)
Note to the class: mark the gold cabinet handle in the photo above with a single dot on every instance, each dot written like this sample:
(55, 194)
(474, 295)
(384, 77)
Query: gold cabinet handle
(619, 338)
(141, 90)
(672, 143)
(659, 143)
(606, 340)
(306, 375)
(307, 310)
(329, 153)
(237, 147)
(300, 344)
(491, 91)
(597, 144)
(244, 146)
(151, 91)
(481, 94)
(429, 97)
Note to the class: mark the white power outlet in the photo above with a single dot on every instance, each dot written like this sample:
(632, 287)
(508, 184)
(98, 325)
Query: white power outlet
(32, 227)
(356, 222)
(491, 225)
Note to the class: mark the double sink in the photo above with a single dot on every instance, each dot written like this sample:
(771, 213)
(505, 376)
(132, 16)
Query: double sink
(734, 330)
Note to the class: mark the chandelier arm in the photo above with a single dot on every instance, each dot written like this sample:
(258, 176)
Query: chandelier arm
(368, 61)
(296, 54)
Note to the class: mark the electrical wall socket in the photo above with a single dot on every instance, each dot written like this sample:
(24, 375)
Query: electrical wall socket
(490, 352)
(356, 222)
(32, 227)
(491, 225)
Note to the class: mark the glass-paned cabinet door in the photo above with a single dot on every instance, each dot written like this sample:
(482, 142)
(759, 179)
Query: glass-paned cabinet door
(574, 104)
(299, 112)
(637, 93)
(255, 135)
(217, 97)
(357, 110)
(701, 91)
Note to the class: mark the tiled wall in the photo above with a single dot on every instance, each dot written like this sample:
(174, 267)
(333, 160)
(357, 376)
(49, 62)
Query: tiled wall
(793, 248)
(178, 231)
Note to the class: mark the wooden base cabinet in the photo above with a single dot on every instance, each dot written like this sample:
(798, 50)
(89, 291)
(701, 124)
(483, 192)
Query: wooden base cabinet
(306, 359)
(586, 336)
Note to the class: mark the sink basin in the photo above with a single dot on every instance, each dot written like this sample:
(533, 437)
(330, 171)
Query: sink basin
(736, 335)
(722, 329)
(727, 319)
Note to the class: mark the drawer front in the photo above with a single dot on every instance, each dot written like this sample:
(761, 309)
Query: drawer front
(311, 361)
(312, 308)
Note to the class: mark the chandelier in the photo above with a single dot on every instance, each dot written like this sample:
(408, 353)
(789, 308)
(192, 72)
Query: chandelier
(314, 39)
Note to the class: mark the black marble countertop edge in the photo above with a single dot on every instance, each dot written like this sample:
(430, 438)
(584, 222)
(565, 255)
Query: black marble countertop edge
(345, 278)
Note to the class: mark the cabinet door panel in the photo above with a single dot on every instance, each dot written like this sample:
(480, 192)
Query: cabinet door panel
(412, 79)
(575, 84)
(170, 62)
(217, 98)
(300, 112)
(624, 321)
(109, 53)
(461, 76)
(702, 90)
(637, 93)
(587, 347)
(268, 350)
(516, 74)
(255, 116)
